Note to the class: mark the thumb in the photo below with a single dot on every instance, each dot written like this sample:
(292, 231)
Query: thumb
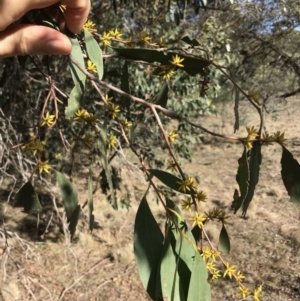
(32, 39)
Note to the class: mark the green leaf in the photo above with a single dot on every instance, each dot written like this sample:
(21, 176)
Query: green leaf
(254, 166)
(77, 74)
(192, 65)
(102, 146)
(74, 220)
(148, 245)
(169, 180)
(171, 289)
(191, 269)
(183, 244)
(75, 100)
(91, 202)
(242, 179)
(199, 289)
(162, 96)
(27, 198)
(69, 194)
(290, 174)
(224, 242)
(94, 52)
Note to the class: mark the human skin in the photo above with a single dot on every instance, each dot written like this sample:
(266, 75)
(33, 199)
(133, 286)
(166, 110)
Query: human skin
(24, 39)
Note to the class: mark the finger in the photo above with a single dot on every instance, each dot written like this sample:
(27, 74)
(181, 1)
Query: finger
(33, 39)
(76, 13)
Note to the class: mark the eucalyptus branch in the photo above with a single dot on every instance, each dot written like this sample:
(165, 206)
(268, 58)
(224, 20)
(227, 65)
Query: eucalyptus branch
(169, 113)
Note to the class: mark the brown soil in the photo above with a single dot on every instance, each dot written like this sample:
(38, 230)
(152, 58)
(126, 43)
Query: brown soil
(100, 266)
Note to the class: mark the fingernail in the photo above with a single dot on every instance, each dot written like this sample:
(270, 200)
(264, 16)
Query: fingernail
(57, 47)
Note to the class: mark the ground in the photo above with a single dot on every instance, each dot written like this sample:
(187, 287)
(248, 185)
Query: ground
(265, 246)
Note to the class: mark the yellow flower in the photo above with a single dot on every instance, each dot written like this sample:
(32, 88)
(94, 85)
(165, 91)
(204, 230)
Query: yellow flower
(81, 115)
(144, 38)
(206, 254)
(186, 204)
(106, 37)
(112, 141)
(268, 139)
(190, 182)
(91, 66)
(171, 165)
(90, 26)
(239, 276)
(48, 120)
(114, 111)
(44, 166)
(230, 270)
(216, 274)
(172, 136)
(36, 146)
(211, 266)
(254, 95)
(91, 118)
(115, 34)
(177, 61)
(214, 255)
(244, 292)
(198, 220)
(127, 125)
(279, 138)
(200, 196)
(187, 185)
(257, 294)
(108, 99)
(252, 132)
(167, 73)
(162, 42)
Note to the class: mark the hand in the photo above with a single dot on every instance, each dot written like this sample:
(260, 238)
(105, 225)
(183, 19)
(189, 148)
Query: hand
(23, 39)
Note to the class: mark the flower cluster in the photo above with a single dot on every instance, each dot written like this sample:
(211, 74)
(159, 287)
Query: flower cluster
(82, 115)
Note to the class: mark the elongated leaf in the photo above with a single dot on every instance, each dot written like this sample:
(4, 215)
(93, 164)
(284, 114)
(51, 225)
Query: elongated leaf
(242, 179)
(94, 52)
(162, 96)
(254, 167)
(77, 74)
(91, 202)
(74, 220)
(102, 146)
(170, 284)
(224, 242)
(290, 174)
(199, 289)
(75, 100)
(27, 198)
(69, 194)
(148, 245)
(169, 180)
(183, 243)
(191, 267)
(192, 65)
